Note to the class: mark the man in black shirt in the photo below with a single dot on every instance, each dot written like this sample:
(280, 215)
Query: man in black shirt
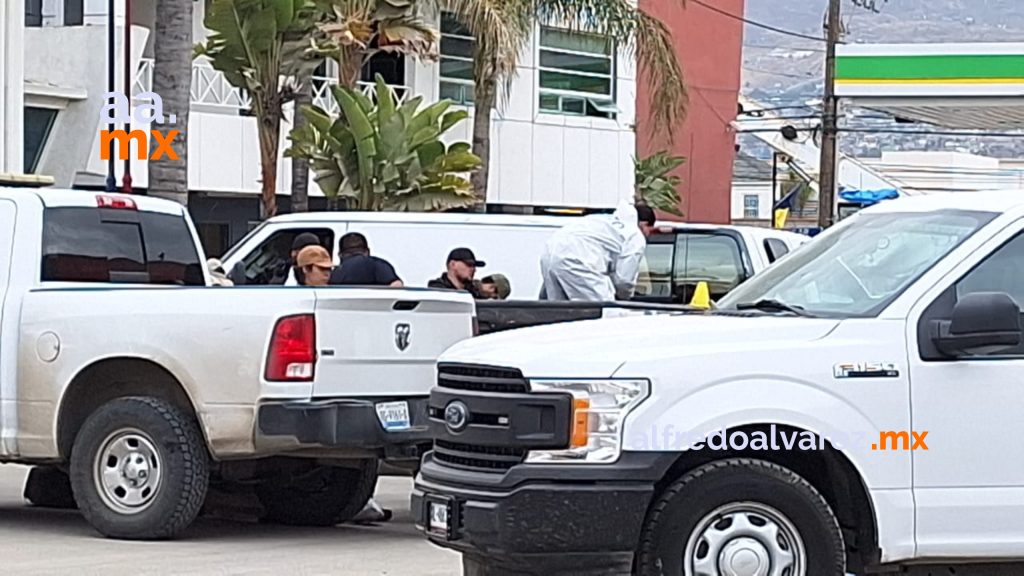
(358, 268)
(462, 265)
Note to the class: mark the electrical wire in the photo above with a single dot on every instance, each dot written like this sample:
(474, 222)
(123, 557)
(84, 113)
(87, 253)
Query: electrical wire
(758, 24)
(793, 48)
(711, 107)
(934, 133)
(783, 74)
(752, 118)
(889, 131)
(777, 108)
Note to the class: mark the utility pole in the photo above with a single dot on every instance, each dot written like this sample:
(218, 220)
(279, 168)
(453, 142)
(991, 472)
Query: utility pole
(829, 120)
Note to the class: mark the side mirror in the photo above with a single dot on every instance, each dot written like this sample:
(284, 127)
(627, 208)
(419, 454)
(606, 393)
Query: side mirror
(982, 323)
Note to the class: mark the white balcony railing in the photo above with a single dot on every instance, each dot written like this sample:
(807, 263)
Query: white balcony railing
(211, 89)
(322, 93)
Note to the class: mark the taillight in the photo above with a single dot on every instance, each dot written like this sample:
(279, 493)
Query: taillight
(115, 202)
(292, 350)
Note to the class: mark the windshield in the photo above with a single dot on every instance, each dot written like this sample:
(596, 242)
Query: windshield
(857, 269)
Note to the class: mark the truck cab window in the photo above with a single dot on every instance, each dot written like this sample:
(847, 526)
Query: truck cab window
(655, 279)
(775, 249)
(269, 263)
(96, 245)
(711, 258)
(1003, 271)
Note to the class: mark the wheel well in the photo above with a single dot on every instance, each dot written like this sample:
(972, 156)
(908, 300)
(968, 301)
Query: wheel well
(828, 470)
(107, 380)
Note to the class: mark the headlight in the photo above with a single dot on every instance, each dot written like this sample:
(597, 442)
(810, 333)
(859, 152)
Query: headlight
(599, 410)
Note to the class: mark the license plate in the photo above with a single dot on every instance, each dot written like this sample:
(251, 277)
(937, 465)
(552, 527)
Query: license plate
(394, 416)
(439, 518)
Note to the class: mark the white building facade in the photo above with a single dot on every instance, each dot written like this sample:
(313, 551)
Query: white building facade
(564, 137)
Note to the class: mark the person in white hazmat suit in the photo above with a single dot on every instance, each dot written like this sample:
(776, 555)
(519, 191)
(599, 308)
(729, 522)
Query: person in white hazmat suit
(597, 258)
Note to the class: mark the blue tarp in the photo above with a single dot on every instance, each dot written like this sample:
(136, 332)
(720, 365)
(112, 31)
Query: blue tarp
(868, 197)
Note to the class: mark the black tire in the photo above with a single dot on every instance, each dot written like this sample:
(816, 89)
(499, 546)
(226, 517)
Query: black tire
(182, 468)
(678, 512)
(49, 487)
(326, 496)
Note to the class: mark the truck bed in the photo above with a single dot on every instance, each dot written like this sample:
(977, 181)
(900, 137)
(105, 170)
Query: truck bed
(497, 315)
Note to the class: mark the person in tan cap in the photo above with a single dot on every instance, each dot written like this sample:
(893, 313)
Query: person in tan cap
(316, 265)
(495, 287)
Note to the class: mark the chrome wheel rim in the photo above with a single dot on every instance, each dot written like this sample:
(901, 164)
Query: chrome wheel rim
(745, 539)
(128, 471)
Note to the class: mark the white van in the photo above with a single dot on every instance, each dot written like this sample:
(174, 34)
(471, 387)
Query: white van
(417, 244)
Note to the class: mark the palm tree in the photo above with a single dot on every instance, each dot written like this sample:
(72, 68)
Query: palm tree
(262, 47)
(172, 80)
(356, 30)
(351, 32)
(300, 166)
(503, 28)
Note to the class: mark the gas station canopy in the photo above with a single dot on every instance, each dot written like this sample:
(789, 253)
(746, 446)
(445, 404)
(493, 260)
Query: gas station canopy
(961, 86)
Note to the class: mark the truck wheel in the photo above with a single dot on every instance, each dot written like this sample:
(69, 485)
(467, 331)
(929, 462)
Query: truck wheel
(741, 516)
(327, 496)
(49, 487)
(139, 469)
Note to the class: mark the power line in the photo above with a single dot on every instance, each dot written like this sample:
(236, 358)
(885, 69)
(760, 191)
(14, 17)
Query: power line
(934, 133)
(783, 74)
(890, 131)
(793, 48)
(754, 118)
(758, 24)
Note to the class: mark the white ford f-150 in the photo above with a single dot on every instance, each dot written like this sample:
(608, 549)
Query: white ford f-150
(854, 408)
(120, 368)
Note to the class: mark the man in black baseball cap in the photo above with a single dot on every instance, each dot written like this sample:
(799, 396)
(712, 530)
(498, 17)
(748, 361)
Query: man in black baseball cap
(301, 241)
(462, 265)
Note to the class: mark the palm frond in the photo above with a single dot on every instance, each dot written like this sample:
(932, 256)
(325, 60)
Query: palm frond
(502, 30)
(660, 68)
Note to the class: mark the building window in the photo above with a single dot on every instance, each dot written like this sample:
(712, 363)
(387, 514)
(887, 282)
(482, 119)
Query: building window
(577, 73)
(74, 12)
(33, 13)
(751, 206)
(38, 124)
(457, 46)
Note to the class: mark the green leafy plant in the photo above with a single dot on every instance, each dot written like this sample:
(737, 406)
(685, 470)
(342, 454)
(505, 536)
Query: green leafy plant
(262, 47)
(655, 183)
(382, 156)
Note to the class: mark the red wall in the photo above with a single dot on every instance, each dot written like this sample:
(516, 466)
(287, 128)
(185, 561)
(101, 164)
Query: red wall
(710, 48)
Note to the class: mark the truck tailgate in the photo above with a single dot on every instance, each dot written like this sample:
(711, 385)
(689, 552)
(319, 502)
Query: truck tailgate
(385, 341)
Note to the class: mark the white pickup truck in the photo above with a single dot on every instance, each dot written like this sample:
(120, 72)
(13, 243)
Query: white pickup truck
(120, 368)
(855, 408)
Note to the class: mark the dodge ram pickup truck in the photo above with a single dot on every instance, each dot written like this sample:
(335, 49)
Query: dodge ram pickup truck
(132, 386)
(856, 408)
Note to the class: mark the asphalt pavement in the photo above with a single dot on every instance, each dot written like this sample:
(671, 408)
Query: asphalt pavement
(37, 542)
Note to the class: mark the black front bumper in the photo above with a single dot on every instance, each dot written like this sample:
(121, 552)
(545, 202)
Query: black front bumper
(346, 424)
(535, 519)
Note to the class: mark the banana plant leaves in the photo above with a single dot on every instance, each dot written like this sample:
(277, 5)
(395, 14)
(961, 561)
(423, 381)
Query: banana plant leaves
(380, 155)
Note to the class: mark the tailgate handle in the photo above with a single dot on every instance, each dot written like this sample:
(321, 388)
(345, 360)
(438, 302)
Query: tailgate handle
(406, 305)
